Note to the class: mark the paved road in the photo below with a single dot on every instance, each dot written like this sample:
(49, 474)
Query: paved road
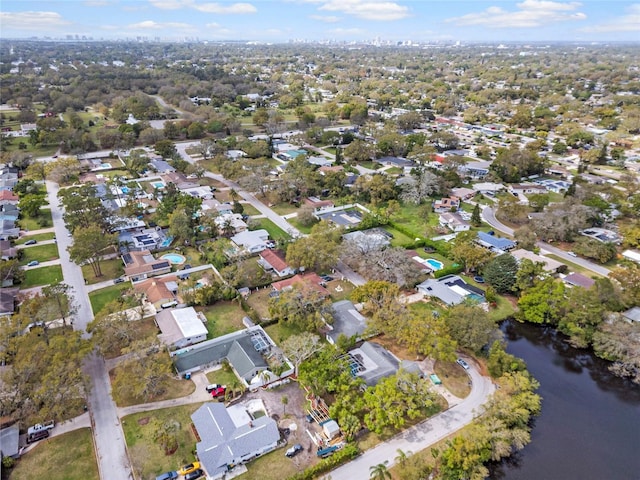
(248, 197)
(107, 431)
(420, 436)
(488, 214)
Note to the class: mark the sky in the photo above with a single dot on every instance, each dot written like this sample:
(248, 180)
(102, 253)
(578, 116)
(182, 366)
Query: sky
(280, 21)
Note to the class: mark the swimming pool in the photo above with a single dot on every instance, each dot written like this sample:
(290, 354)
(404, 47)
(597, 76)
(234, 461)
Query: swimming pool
(166, 242)
(158, 185)
(174, 258)
(124, 189)
(435, 264)
(476, 297)
(105, 165)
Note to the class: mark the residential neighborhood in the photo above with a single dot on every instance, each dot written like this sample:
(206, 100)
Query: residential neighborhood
(281, 275)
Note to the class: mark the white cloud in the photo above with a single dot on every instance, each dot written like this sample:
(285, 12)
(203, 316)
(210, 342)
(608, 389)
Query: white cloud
(531, 13)
(234, 8)
(626, 23)
(212, 25)
(219, 8)
(32, 20)
(325, 18)
(153, 25)
(367, 9)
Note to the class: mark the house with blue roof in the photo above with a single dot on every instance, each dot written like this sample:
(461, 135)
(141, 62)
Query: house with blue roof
(231, 436)
(494, 243)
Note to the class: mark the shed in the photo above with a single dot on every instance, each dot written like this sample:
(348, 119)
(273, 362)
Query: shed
(331, 429)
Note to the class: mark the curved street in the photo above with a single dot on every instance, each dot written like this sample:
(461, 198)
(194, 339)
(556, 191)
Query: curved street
(422, 435)
(489, 216)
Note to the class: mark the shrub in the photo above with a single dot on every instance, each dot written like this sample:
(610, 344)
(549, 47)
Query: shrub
(348, 453)
(452, 270)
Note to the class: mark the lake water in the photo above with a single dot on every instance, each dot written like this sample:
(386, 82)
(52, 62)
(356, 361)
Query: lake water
(589, 428)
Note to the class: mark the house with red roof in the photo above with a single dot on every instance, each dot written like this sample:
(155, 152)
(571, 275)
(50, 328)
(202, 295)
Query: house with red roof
(305, 281)
(274, 260)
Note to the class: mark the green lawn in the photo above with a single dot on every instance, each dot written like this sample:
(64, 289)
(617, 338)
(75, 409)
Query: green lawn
(370, 165)
(284, 208)
(280, 331)
(28, 223)
(147, 456)
(41, 253)
(66, 457)
(399, 239)
(36, 236)
(416, 218)
(42, 276)
(276, 466)
(344, 289)
(259, 301)
(223, 318)
(303, 229)
(110, 269)
(275, 232)
(453, 377)
(222, 376)
(99, 298)
(250, 209)
(574, 267)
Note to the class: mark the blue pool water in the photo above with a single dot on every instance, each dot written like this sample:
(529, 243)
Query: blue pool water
(476, 297)
(105, 165)
(157, 185)
(174, 258)
(435, 264)
(166, 242)
(124, 189)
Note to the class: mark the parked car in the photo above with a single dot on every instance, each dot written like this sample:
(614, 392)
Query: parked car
(30, 242)
(193, 475)
(573, 254)
(167, 475)
(39, 435)
(218, 392)
(118, 280)
(462, 363)
(326, 278)
(33, 263)
(191, 467)
(211, 387)
(293, 451)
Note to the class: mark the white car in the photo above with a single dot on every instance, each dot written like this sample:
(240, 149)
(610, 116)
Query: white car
(462, 363)
(572, 254)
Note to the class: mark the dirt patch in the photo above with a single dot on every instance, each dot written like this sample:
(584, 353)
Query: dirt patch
(143, 420)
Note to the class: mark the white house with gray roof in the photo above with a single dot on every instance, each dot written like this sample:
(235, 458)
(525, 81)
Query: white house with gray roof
(347, 321)
(372, 362)
(231, 436)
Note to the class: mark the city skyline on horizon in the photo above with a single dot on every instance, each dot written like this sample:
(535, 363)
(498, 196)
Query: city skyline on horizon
(281, 21)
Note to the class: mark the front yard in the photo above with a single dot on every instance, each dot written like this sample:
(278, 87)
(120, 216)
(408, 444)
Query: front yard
(275, 232)
(66, 457)
(147, 456)
(175, 388)
(110, 269)
(42, 276)
(99, 298)
(40, 253)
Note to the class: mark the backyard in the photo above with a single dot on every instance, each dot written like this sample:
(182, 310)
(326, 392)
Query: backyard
(99, 298)
(147, 456)
(223, 318)
(65, 457)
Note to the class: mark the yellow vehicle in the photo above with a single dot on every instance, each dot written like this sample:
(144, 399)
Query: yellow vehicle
(189, 468)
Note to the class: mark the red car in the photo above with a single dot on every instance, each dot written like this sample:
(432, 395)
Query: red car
(218, 392)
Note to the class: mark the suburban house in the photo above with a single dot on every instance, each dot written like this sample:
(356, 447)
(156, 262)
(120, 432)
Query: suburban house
(309, 281)
(488, 188)
(632, 255)
(602, 235)
(10, 442)
(198, 191)
(144, 239)
(161, 166)
(181, 327)
(394, 162)
(341, 216)
(317, 204)
(347, 321)
(526, 189)
(320, 161)
(372, 362)
(251, 241)
(231, 221)
(274, 260)
(454, 222)
(8, 300)
(141, 265)
(549, 265)
(235, 154)
(478, 170)
(579, 280)
(446, 204)
(158, 291)
(231, 436)
(632, 315)
(463, 193)
(8, 197)
(7, 252)
(8, 229)
(450, 290)
(494, 243)
(247, 352)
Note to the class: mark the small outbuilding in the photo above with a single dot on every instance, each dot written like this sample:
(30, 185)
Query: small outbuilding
(181, 327)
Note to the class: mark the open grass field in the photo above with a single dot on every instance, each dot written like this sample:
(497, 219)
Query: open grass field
(66, 457)
(99, 298)
(259, 301)
(110, 269)
(399, 239)
(36, 236)
(250, 209)
(275, 232)
(41, 253)
(42, 276)
(416, 218)
(223, 318)
(280, 331)
(284, 208)
(147, 457)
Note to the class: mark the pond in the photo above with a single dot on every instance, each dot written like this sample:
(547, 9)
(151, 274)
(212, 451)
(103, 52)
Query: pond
(589, 427)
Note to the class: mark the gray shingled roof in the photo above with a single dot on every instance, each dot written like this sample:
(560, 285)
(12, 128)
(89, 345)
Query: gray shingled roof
(224, 443)
(346, 320)
(381, 363)
(245, 358)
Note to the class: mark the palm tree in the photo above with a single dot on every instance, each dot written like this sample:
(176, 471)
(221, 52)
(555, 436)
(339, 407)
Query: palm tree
(233, 195)
(401, 458)
(379, 471)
